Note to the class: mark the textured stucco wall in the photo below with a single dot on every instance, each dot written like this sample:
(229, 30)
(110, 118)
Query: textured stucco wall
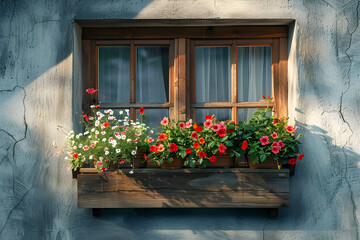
(37, 81)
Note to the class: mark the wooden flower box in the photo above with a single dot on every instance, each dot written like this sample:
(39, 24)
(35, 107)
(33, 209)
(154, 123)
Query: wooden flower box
(184, 188)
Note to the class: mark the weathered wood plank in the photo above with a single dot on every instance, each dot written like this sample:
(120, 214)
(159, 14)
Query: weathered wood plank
(155, 188)
(186, 32)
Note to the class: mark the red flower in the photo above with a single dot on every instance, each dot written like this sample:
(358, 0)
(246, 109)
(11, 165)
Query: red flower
(290, 129)
(292, 161)
(202, 154)
(281, 144)
(173, 147)
(182, 125)
(274, 135)
(208, 117)
(122, 161)
(244, 145)
(221, 132)
(201, 141)
(222, 148)
(86, 117)
(146, 158)
(75, 155)
(198, 129)
(230, 130)
(300, 157)
(275, 144)
(188, 151)
(96, 106)
(195, 126)
(106, 124)
(275, 149)
(141, 110)
(264, 140)
(196, 145)
(263, 97)
(153, 148)
(194, 135)
(103, 169)
(276, 121)
(212, 159)
(91, 91)
(162, 137)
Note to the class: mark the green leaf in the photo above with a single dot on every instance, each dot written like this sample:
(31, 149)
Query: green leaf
(192, 163)
(211, 144)
(200, 161)
(228, 143)
(183, 154)
(263, 158)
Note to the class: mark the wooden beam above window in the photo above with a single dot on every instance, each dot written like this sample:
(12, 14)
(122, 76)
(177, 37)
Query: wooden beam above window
(239, 32)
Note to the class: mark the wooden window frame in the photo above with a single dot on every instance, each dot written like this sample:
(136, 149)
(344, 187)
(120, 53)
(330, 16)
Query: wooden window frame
(182, 41)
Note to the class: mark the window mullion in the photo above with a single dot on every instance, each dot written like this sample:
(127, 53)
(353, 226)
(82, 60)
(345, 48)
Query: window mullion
(234, 82)
(132, 79)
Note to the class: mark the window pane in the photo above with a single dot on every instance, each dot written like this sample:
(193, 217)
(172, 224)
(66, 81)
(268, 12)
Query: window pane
(246, 114)
(213, 74)
(114, 74)
(221, 114)
(254, 73)
(152, 74)
(153, 118)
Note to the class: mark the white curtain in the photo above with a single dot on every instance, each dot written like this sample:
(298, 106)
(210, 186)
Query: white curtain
(114, 74)
(213, 80)
(152, 74)
(254, 77)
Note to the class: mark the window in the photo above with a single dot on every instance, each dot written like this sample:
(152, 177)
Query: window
(187, 72)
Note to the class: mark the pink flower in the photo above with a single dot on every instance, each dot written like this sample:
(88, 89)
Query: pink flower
(188, 123)
(182, 125)
(165, 121)
(281, 144)
(138, 134)
(136, 140)
(92, 145)
(86, 147)
(274, 135)
(222, 148)
(123, 133)
(222, 125)
(99, 163)
(264, 140)
(150, 140)
(91, 91)
(221, 132)
(194, 135)
(208, 123)
(275, 144)
(290, 129)
(275, 150)
(216, 127)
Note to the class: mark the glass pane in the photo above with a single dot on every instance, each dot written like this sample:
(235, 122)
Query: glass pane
(221, 114)
(114, 74)
(153, 118)
(152, 74)
(213, 74)
(254, 73)
(246, 114)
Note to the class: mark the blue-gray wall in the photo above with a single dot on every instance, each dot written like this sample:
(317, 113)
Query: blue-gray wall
(38, 76)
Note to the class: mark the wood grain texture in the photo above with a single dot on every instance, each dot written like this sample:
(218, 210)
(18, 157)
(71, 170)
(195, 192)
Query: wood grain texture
(185, 188)
(225, 32)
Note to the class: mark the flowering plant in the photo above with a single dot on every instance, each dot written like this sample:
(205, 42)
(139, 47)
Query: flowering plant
(264, 137)
(197, 143)
(107, 138)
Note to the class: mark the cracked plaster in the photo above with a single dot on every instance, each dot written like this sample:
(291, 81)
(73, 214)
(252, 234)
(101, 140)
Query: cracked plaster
(38, 196)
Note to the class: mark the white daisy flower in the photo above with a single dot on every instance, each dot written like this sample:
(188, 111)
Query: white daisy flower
(93, 130)
(123, 137)
(133, 152)
(75, 147)
(121, 112)
(96, 132)
(91, 157)
(101, 158)
(118, 150)
(129, 140)
(103, 132)
(106, 152)
(97, 122)
(86, 133)
(104, 139)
